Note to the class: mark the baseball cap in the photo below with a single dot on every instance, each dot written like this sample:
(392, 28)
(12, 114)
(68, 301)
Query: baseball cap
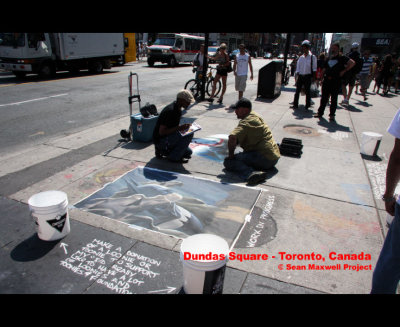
(185, 95)
(306, 43)
(243, 102)
(355, 45)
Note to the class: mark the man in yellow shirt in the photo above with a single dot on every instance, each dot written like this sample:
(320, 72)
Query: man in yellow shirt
(260, 152)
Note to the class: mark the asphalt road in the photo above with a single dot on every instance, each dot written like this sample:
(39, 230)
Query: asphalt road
(34, 111)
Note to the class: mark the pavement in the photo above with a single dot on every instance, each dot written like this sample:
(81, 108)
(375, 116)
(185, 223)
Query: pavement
(318, 218)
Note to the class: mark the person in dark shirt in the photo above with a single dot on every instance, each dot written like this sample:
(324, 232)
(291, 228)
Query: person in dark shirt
(333, 70)
(167, 138)
(350, 77)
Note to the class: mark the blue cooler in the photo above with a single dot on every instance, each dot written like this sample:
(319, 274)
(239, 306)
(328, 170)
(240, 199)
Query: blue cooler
(142, 128)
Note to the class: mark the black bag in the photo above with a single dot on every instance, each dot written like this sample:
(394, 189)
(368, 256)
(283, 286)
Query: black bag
(229, 68)
(291, 147)
(149, 109)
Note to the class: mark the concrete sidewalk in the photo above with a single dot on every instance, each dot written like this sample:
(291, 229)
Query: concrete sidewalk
(323, 205)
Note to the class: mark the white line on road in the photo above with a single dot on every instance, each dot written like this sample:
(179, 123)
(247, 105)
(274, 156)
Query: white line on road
(38, 99)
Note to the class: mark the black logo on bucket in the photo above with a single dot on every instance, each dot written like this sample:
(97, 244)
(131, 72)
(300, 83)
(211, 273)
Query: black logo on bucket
(214, 281)
(59, 222)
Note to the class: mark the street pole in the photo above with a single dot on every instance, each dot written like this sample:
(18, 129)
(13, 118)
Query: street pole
(288, 36)
(205, 68)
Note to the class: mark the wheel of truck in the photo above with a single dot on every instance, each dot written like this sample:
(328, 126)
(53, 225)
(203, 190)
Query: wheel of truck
(47, 70)
(96, 67)
(172, 61)
(150, 62)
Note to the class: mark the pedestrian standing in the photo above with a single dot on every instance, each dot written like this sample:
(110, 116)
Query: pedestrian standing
(293, 65)
(222, 58)
(397, 76)
(334, 68)
(350, 77)
(241, 66)
(377, 68)
(305, 70)
(386, 274)
(365, 74)
(198, 62)
(387, 73)
(320, 64)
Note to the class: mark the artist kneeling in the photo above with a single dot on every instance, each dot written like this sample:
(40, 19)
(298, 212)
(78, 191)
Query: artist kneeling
(167, 139)
(254, 136)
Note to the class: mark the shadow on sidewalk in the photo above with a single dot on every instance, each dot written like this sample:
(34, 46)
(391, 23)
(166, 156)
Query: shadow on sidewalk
(32, 248)
(333, 126)
(165, 164)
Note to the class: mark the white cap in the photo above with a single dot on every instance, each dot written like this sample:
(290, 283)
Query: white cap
(306, 43)
(355, 45)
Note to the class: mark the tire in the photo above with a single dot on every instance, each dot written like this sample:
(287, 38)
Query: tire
(209, 87)
(194, 87)
(96, 67)
(47, 70)
(172, 61)
(150, 62)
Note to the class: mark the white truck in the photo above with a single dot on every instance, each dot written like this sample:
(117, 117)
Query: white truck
(47, 53)
(173, 48)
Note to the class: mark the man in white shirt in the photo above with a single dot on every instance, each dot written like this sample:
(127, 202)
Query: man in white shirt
(240, 69)
(387, 270)
(305, 70)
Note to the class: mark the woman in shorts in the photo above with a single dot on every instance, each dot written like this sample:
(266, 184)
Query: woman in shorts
(222, 58)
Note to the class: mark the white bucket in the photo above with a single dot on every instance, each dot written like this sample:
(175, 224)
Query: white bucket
(204, 272)
(370, 143)
(50, 211)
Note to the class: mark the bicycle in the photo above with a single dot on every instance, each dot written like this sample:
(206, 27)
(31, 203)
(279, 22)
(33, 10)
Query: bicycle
(194, 85)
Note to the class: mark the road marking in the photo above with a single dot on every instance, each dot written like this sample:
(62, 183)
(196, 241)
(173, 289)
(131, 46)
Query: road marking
(37, 99)
(38, 133)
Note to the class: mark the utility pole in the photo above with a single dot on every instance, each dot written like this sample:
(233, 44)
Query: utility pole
(288, 37)
(205, 68)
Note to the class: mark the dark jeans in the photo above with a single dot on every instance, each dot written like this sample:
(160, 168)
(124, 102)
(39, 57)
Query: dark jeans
(386, 274)
(175, 146)
(306, 81)
(330, 88)
(244, 163)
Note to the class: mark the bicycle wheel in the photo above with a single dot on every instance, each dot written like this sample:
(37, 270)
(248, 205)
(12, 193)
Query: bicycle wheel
(194, 87)
(209, 87)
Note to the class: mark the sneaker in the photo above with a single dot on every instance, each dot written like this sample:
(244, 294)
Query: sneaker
(345, 101)
(256, 177)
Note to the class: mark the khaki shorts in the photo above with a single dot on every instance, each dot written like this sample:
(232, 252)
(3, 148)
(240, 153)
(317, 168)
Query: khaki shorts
(364, 81)
(240, 83)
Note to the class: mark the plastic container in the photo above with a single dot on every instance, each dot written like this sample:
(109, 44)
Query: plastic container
(206, 275)
(50, 211)
(370, 142)
(142, 128)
